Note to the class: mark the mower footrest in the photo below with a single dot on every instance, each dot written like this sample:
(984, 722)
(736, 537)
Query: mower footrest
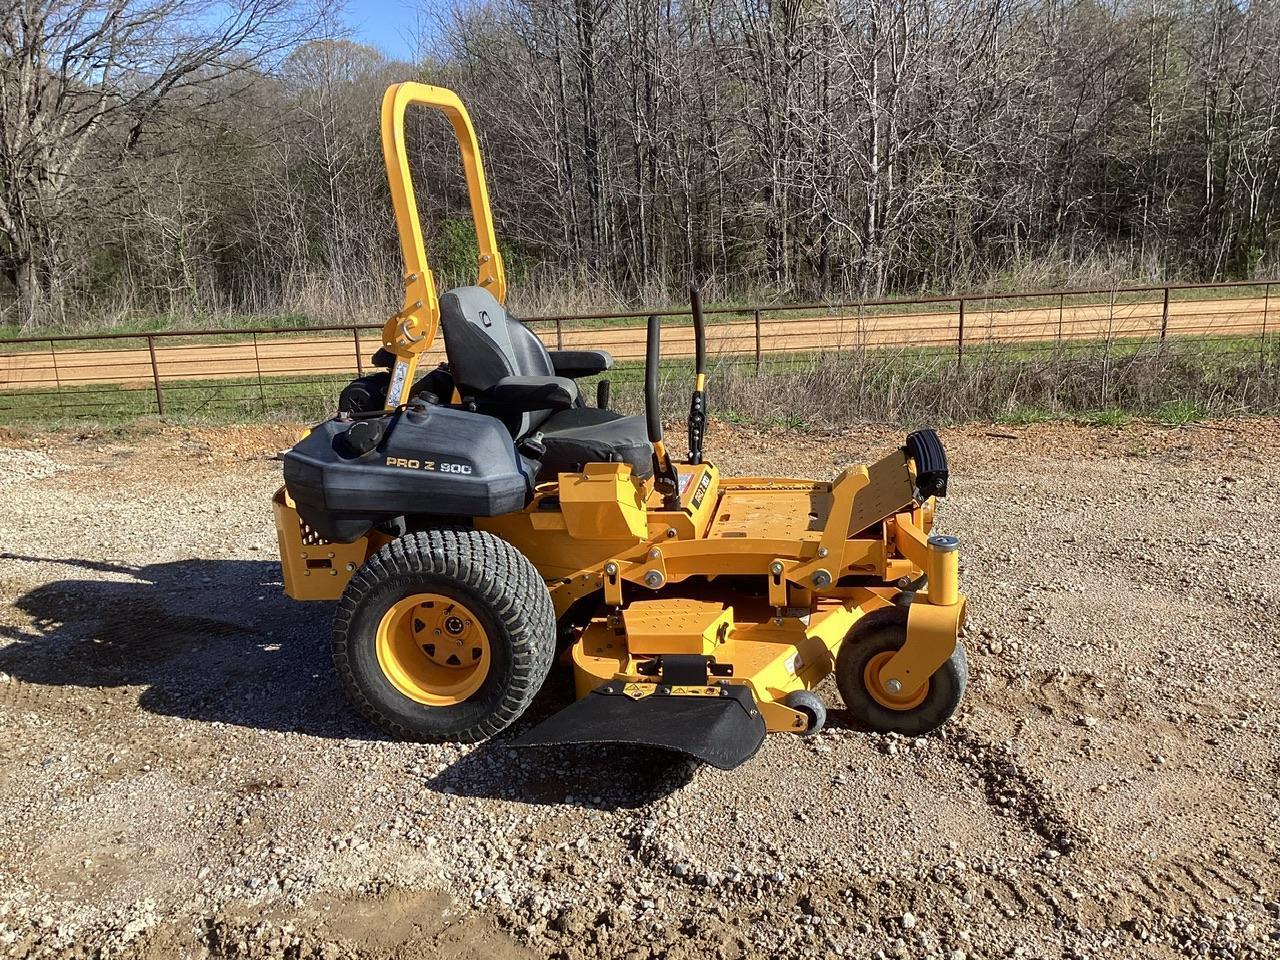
(720, 725)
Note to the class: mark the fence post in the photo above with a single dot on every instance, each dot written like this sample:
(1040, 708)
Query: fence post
(1262, 338)
(1164, 316)
(759, 351)
(155, 375)
(57, 378)
(355, 338)
(960, 336)
(559, 334)
(257, 365)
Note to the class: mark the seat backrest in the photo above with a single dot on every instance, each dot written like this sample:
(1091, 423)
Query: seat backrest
(484, 344)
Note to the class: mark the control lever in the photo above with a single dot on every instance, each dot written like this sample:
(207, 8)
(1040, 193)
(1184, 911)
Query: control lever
(665, 480)
(698, 403)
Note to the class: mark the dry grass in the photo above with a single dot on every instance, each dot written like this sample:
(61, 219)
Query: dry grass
(367, 290)
(1185, 380)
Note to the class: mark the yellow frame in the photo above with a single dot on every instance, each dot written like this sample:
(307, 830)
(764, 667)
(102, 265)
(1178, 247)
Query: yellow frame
(610, 527)
(411, 331)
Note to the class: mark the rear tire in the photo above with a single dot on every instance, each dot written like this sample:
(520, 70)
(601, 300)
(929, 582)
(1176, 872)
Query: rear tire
(505, 604)
(940, 700)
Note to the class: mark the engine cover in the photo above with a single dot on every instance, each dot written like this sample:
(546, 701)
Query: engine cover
(428, 460)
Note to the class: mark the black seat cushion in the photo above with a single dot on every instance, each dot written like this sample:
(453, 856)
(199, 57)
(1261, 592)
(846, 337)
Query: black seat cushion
(583, 435)
(486, 345)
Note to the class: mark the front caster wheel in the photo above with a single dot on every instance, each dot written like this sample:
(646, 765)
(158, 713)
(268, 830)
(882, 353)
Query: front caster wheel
(811, 705)
(857, 674)
(444, 635)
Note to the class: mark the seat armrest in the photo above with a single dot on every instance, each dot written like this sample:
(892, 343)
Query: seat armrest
(580, 363)
(524, 394)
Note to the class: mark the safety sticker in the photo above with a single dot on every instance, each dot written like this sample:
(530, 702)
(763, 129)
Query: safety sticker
(638, 691)
(398, 377)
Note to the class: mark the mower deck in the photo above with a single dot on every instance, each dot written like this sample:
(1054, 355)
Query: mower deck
(771, 656)
(776, 509)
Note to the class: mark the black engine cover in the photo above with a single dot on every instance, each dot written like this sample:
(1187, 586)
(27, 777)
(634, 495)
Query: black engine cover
(429, 460)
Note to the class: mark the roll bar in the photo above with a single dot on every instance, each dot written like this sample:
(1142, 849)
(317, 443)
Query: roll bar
(411, 331)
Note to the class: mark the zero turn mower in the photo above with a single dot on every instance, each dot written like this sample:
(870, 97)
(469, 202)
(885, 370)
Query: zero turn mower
(479, 522)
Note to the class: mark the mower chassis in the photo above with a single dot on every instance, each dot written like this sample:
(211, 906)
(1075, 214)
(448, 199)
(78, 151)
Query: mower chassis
(703, 609)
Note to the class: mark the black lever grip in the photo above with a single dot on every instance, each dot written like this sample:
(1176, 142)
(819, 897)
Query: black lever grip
(698, 403)
(652, 357)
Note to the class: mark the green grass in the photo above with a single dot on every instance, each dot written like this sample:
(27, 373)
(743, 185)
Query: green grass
(1105, 418)
(203, 401)
(1181, 412)
(1026, 416)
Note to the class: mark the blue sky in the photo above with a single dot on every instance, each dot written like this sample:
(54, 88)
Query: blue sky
(386, 24)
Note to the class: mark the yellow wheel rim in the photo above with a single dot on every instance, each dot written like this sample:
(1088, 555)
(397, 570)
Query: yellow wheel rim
(871, 679)
(433, 649)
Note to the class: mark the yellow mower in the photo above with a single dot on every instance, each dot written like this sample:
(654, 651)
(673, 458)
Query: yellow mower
(482, 521)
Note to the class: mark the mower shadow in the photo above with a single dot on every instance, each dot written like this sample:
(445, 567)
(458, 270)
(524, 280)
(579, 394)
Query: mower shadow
(585, 775)
(218, 641)
(210, 640)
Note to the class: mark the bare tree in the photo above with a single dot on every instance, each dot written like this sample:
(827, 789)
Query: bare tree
(79, 83)
(191, 156)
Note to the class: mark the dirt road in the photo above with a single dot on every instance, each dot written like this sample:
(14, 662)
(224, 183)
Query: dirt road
(182, 778)
(779, 334)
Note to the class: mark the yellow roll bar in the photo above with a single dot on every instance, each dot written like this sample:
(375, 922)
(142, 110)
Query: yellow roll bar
(413, 329)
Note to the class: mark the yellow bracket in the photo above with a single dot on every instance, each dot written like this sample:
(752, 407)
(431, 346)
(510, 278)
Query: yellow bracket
(647, 570)
(650, 570)
(935, 618)
(829, 563)
(931, 639)
(937, 557)
(411, 331)
(779, 572)
(314, 569)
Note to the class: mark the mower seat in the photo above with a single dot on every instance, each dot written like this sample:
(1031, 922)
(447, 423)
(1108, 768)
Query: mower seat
(502, 369)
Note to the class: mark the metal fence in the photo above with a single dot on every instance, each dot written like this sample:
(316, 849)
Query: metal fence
(246, 371)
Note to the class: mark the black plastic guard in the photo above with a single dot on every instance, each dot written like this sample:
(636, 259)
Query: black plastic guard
(723, 731)
(925, 449)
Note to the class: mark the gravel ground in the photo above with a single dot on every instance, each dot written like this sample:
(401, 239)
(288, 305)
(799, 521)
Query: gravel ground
(181, 776)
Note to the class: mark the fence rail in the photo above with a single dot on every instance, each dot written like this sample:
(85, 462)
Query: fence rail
(193, 371)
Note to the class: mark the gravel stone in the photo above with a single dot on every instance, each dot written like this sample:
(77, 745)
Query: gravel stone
(184, 779)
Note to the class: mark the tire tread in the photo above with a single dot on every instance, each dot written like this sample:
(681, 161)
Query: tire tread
(517, 599)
